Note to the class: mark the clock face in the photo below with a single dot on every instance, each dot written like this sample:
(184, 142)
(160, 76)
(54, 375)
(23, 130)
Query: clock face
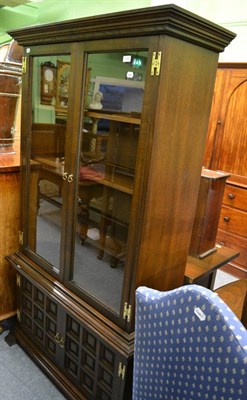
(48, 75)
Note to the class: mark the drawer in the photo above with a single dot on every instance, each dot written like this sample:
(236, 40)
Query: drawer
(233, 220)
(236, 243)
(235, 197)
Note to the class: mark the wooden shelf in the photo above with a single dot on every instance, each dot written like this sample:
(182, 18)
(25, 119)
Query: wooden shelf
(128, 118)
(123, 185)
(114, 248)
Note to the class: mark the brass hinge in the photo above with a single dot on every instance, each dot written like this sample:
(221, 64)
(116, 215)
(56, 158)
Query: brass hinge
(18, 280)
(127, 312)
(21, 237)
(121, 370)
(18, 315)
(156, 63)
(24, 65)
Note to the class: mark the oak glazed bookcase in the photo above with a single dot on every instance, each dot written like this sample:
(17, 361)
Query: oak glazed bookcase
(114, 186)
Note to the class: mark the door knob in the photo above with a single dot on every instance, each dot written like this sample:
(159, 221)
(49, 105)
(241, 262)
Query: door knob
(65, 176)
(70, 178)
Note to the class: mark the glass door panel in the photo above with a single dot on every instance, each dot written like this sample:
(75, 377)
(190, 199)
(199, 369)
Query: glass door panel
(50, 86)
(113, 103)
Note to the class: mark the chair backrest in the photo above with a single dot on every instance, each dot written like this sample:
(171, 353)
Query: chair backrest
(188, 346)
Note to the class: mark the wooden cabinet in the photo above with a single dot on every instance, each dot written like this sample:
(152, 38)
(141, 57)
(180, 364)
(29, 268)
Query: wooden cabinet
(10, 84)
(226, 151)
(9, 214)
(77, 353)
(108, 205)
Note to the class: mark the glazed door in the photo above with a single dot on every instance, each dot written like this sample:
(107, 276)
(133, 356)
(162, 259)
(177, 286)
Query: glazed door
(44, 136)
(113, 98)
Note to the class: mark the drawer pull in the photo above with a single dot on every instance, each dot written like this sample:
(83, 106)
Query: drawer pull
(226, 219)
(231, 196)
(222, 243)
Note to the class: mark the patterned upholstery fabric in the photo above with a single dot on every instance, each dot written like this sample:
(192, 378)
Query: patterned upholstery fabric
(188, 346)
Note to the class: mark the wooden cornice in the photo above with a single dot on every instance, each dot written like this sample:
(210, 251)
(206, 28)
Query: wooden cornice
(169, 19)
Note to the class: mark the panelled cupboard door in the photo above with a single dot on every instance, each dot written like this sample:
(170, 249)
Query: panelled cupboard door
(38, 315)
(94, 367)
(233, 148)
(227, 139)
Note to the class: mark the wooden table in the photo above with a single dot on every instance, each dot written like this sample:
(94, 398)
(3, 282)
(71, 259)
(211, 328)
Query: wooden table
(203, 272)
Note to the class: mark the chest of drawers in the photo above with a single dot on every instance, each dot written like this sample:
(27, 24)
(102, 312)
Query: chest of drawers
(232, 230)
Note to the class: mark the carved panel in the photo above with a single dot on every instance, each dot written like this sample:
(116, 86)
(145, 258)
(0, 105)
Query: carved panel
(39, 316)
(84, 357)
(89, 361)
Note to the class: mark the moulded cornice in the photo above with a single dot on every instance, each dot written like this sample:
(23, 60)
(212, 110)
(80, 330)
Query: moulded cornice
(169, 19)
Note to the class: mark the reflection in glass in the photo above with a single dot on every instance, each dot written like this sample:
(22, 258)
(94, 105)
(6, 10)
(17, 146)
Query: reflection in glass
(106, 175)
(47, 156)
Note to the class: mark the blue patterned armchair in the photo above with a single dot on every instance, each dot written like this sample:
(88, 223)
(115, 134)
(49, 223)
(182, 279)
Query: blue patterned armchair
(188, 346)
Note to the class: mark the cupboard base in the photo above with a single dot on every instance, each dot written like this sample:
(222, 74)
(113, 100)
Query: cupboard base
(50, 369)
(86, 356)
